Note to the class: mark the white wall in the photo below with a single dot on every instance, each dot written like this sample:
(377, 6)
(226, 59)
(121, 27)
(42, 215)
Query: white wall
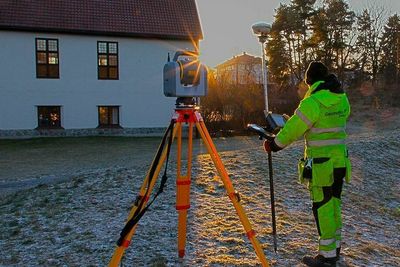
(138, 91)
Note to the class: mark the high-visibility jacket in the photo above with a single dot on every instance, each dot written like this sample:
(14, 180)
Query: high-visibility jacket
(321, 117)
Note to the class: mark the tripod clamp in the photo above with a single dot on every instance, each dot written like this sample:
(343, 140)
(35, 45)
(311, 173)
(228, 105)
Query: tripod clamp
(235, 195)
(186, 103)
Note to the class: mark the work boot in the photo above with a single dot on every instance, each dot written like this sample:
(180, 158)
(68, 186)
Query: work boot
(319, 261)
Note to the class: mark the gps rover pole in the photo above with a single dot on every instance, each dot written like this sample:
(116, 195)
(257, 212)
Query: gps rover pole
(263, 134)
(271, 190)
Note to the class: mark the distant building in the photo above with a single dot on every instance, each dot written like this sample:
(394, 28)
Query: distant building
(245, 69)
(89, 67)
(241, 70)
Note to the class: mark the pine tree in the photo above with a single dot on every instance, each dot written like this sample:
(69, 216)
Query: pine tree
(333, 34)
(390, 63)
(369, 26)
(289, 41)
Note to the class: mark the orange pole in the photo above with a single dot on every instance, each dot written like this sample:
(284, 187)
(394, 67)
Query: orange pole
(183, 191)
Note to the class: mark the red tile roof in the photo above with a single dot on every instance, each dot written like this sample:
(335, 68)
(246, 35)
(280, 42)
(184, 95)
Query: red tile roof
(167, 19)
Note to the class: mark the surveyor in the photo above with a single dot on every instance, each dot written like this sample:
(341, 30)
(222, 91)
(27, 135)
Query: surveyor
(321, 117)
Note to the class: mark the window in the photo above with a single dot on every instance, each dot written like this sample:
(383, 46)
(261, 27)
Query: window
(47, 63)
(109, 116)
(49, 117)
(107, 60)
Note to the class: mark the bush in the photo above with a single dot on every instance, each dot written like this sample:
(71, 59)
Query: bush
(228, 108)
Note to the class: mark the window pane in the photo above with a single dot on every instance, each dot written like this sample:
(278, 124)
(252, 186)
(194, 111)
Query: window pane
(102, 47)
(41, 71)
(103, 115)
(112, 48)
(103, 73)
(113, 73)
(41, 45)
(43, 118)
(115, 115)
(53, 71)
(107, 60)
(47, 59)
(103, 60)
(113, 60)
(49, 117)
(53, 58)
(41, 58)
(54, 119)
(53, 45)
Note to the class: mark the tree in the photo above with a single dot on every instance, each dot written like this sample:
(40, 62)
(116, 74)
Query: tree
(279, 60)
(356, 48)
(390, 61)
(289, 37)
(303, 10)
(333, 35)
(229, 106)
(370, 25)
(281, 43)
(301, 32)
(212, 104)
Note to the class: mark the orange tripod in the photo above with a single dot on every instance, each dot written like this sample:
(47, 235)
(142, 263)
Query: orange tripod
(188, 115)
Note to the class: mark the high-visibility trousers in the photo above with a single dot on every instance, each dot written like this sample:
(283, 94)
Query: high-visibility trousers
(328, 215)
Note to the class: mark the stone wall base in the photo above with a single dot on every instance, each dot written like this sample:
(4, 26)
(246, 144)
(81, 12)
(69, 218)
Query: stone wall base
(137, 132)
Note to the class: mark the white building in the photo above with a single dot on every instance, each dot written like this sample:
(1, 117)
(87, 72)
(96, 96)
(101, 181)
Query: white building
(89, 67)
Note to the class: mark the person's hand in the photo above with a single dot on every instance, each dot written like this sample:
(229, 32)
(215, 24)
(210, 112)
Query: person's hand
(267, 146)
(286, 116)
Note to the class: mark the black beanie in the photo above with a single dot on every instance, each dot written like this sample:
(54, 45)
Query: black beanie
(316, 71)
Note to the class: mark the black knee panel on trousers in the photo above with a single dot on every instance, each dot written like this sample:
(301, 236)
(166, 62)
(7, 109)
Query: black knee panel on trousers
(335, 190)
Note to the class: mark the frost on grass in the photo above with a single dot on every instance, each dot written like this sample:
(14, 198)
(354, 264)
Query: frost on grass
(77, 222)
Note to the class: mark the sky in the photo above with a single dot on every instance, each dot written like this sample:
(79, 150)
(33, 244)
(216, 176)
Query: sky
(226, 24)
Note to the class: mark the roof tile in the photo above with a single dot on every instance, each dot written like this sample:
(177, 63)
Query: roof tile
(156, 18)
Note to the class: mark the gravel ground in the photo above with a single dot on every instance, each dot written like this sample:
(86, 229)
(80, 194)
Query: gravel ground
(76, 220)
(31, 162)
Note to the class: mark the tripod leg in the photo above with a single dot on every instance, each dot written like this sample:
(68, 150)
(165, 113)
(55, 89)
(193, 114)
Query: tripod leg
(183, 189)
(146, 187)
(231, 192)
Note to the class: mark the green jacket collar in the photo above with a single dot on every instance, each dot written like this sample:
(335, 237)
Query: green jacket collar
(312, 88)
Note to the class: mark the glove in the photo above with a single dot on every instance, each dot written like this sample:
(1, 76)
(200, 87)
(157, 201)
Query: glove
(267, 146)
(286, 116)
